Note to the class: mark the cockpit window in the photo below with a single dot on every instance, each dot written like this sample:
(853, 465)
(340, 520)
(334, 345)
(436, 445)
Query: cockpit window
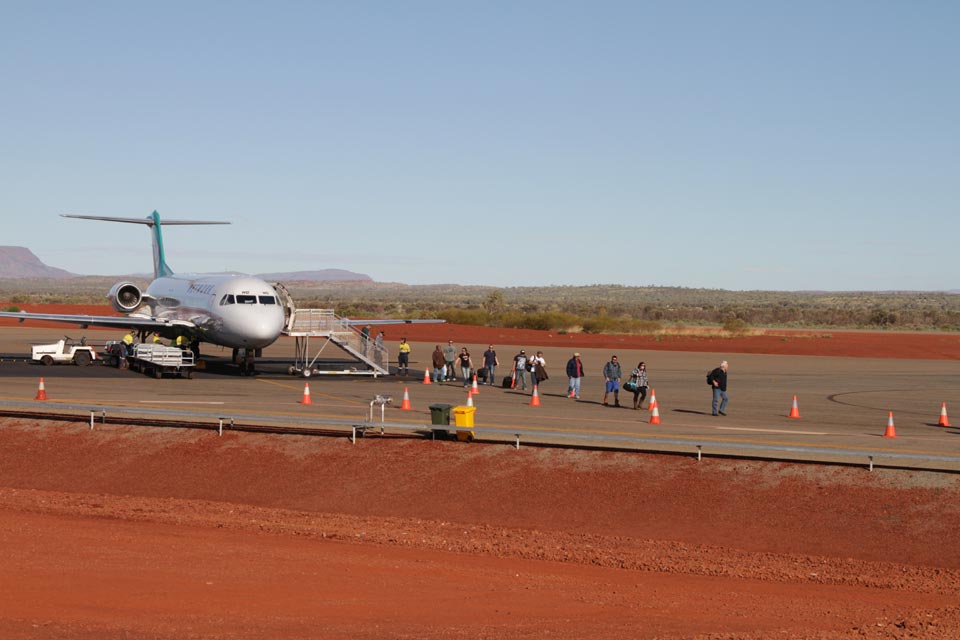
(268, 300)
(227, 299)
(246, 299)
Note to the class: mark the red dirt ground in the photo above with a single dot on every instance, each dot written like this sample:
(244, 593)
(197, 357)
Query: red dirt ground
(128, 532)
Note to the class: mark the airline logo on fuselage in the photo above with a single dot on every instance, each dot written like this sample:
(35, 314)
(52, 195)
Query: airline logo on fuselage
(205, 289)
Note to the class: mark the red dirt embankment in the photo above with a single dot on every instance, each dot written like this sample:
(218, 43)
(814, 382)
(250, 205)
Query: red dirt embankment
(129, 532)
(854, 344)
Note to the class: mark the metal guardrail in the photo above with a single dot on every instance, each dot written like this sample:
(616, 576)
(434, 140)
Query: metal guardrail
(307, 424)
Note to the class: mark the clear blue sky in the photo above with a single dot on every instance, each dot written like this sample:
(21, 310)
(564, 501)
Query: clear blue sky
(736, 145)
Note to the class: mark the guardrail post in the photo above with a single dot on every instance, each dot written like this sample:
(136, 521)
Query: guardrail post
(220, 427)
(92, 412)
(517, 446)
(871, 463)
(353, 436)
(699, 451)
(103, 416)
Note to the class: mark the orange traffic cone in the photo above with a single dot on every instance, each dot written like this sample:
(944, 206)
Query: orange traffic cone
(405, 405)
(426, 376)
(794, 410)
(513, 379)
(944, 420)
(41, 391)
(572, 394)
(655, 414)
(475, 388)
(470, 398)
(535, 398)
(653, 400)
(891, 432)
(306, 394)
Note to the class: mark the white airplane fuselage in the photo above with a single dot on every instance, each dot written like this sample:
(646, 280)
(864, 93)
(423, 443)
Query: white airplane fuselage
(230, 310)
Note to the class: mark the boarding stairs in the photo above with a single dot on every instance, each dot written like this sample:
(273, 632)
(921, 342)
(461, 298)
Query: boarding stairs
(304, 324)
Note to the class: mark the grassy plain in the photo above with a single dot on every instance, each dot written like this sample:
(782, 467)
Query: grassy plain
(591, 309)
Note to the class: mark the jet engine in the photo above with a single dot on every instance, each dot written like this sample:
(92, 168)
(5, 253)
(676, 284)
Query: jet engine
(125, 297)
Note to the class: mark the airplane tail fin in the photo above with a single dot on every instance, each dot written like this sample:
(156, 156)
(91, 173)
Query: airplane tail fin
(160, 267)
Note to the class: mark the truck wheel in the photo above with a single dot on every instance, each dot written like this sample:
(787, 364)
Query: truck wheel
(157, 373)
(306, 372)
(81, 358)
(46, 360)
(189, 374)
(291, 370)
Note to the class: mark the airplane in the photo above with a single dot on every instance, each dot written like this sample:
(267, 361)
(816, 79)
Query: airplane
(241, 312)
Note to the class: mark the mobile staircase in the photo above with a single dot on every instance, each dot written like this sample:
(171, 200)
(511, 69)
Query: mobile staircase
(303, 324)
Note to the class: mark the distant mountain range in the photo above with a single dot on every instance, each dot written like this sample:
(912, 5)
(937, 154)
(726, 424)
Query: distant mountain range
(20, 262)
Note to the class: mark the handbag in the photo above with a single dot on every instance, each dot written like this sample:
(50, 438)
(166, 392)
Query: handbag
(630, 385)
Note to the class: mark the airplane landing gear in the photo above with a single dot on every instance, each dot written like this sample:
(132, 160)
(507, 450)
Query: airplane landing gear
(246, 360)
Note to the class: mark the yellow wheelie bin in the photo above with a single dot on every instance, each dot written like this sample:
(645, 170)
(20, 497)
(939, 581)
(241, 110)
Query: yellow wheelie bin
(463, 419)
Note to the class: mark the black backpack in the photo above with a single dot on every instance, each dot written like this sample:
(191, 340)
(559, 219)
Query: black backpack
(710, 377)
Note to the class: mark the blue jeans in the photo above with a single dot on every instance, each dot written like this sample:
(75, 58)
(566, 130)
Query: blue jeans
(521, 380)
(465, 372)
(574, 387)
(491, 375)
(439, 373)
(719, 395)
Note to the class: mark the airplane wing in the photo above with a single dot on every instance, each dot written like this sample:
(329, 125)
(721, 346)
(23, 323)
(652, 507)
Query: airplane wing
(120, 322)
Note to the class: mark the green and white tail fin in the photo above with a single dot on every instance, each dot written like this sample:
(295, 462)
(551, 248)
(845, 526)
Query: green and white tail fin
(160, 268)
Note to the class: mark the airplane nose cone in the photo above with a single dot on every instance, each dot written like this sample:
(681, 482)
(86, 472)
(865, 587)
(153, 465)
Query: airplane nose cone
(258, 332)
(266, 332)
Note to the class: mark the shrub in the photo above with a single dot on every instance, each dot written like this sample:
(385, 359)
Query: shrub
(734, 325)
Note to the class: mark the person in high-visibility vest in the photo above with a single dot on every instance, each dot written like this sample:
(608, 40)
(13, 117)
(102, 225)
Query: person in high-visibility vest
(181, 342)
(156, 338)
(403, 357)
(128, 343)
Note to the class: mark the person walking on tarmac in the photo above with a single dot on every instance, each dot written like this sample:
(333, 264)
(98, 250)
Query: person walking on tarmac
(466, 366)
(611, 375)
(439, 365)
(574, 372)
(520, 370)
(640, 383)
(490, 363)
(718, 383)
(450, 354)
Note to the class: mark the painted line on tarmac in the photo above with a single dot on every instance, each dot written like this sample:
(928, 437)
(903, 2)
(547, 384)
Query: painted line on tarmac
(325, 395)
(805, 433)
(179, 402)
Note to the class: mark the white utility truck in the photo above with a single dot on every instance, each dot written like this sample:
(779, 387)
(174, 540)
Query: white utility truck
(64, 351)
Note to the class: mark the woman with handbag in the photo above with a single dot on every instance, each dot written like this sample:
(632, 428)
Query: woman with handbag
(638, 384)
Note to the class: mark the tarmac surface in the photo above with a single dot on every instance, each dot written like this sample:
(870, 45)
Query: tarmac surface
(843, 402)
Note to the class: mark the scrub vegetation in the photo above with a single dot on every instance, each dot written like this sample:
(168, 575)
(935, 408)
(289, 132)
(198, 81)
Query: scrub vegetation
(588, 309)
